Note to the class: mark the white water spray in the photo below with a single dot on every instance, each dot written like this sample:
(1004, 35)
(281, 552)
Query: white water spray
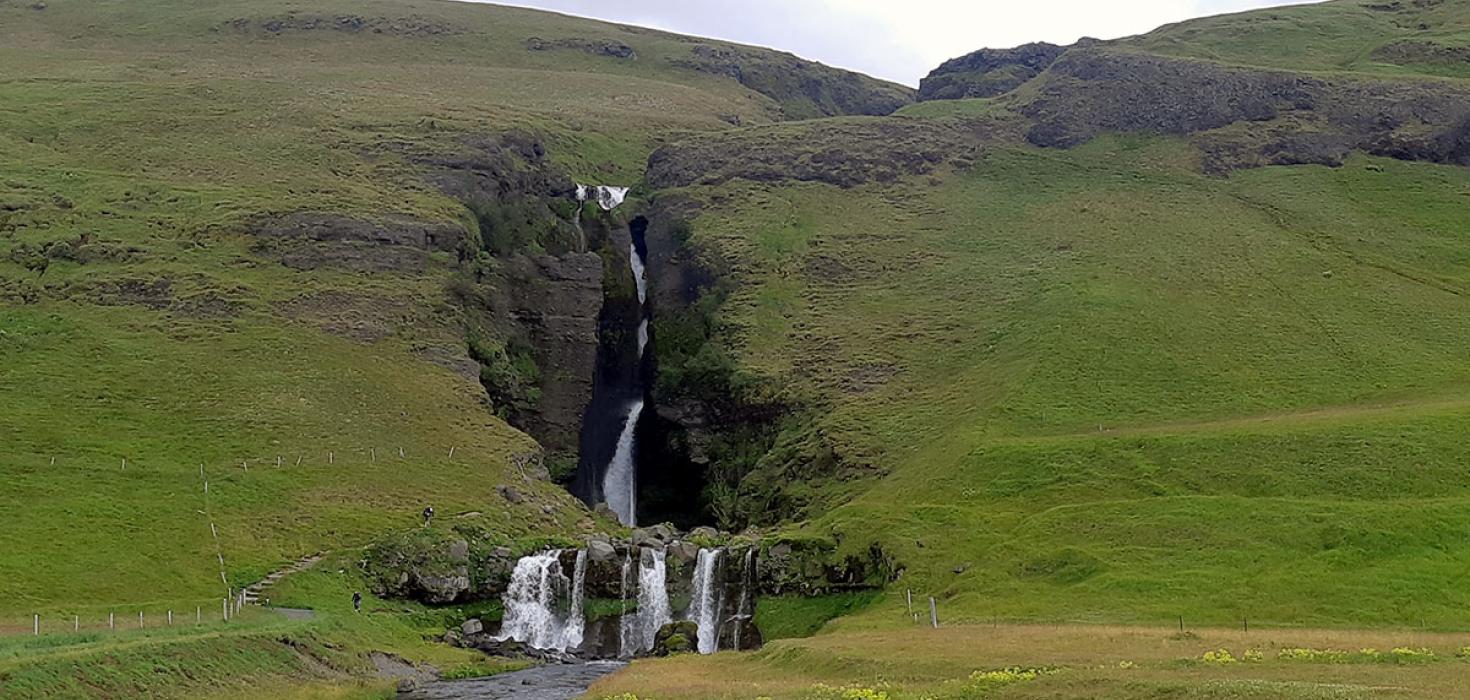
(708, 599)
(639, 277)
(620, 484)
(609, 198)
(642, 337)
(537, 588)
(654, 611)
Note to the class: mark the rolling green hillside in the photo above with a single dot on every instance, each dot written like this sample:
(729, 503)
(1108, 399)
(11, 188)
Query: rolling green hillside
(1101, 381)
(158, 310)
(1167, 327)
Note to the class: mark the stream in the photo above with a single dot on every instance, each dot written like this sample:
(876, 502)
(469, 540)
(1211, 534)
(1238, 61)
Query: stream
(554, 682)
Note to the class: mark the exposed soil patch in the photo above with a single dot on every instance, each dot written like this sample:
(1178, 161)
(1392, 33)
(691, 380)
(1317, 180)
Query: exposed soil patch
(843, 153)
(596, 47)
(312, 240)
(410, 25)
(365, 319)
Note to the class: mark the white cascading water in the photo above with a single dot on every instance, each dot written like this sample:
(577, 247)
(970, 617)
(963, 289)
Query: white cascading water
(620, 484)
(537, 586)
(609, 198)
(638, 630)
(638, 274)
(747, 579)
(620, 481)
(709, 589)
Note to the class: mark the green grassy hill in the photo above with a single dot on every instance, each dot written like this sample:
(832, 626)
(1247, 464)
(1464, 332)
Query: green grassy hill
(1174, 328)
(156, 313)
(1097, 383)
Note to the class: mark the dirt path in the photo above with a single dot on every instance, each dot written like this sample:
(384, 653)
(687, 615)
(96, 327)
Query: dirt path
(556, 682)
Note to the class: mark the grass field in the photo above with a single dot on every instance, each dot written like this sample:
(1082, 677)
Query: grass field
(1116, 390)
(1065, 661)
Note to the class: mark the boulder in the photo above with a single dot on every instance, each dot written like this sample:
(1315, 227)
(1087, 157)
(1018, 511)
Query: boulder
(459, 551)
(739, 633)
(704, 532)
(510, 494)
(683, 552)
(676, 638)
(472, 626)
(601, 551)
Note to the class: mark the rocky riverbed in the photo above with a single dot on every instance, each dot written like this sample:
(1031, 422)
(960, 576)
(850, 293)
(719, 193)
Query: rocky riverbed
(552, 682)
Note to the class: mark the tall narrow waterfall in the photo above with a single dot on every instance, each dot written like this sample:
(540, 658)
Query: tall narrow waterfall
(639, 629)
(709, 589)
(533, 603)
(620, 481)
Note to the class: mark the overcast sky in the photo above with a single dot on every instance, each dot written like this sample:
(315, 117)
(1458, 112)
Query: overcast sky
(900, 40)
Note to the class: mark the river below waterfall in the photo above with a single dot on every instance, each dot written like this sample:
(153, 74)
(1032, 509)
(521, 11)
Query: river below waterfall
(553, 682)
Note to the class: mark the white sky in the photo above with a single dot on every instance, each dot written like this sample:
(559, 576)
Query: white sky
(901, 40)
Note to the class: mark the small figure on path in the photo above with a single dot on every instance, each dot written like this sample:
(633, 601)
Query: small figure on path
(357, 601)
(428, 515)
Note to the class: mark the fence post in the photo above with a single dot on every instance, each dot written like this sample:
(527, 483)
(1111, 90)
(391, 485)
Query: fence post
(111, 621)
(910, 596)
(451, 453)
(76, 623)
(170, 618)
(224, 606)
(933, 612)
(36, 624)
(198, 614)
(140, 619)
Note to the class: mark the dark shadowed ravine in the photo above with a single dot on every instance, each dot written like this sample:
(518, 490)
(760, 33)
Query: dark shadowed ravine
(555, 682)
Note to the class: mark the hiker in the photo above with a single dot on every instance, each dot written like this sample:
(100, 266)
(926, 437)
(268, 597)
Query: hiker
(428, 515)
(357, 601)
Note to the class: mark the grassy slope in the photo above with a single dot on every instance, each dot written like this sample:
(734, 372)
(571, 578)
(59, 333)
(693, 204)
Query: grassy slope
(1331, 36)
(159, 129)
(1120, 390)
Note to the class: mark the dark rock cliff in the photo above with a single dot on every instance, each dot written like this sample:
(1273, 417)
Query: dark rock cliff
(988, 72)
(1281, 117)
(803, 89)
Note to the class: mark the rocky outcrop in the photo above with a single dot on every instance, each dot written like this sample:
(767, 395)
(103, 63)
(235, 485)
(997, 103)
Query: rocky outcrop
(408, 25)
(845, 153)
(1297, 118)
(596, 47)
(803, 89)
(678, 637)
(988, 72)
(312, 240)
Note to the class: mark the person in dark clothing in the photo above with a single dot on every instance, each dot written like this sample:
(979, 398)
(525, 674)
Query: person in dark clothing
(428, 515)
(357, 601)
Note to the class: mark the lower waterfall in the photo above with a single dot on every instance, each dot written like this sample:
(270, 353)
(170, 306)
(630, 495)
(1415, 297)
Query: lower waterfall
(709, 588)
(638, 630)
(533, 603)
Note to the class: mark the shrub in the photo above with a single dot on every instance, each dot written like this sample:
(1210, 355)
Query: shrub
(1406, 655)
(1219, 656)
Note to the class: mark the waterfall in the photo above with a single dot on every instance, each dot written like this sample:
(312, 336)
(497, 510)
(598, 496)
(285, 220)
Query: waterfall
(537, 588)
(609, 198)
(623, 626)
(744, 609)
(638, 630)
(708, 600)
(576, 626)
(620, 485)
(642, 337)
(639, 276)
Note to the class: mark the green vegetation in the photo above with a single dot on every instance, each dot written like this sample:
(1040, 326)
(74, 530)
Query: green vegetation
(1061, 662)
(790, 617)
(1103, 386)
